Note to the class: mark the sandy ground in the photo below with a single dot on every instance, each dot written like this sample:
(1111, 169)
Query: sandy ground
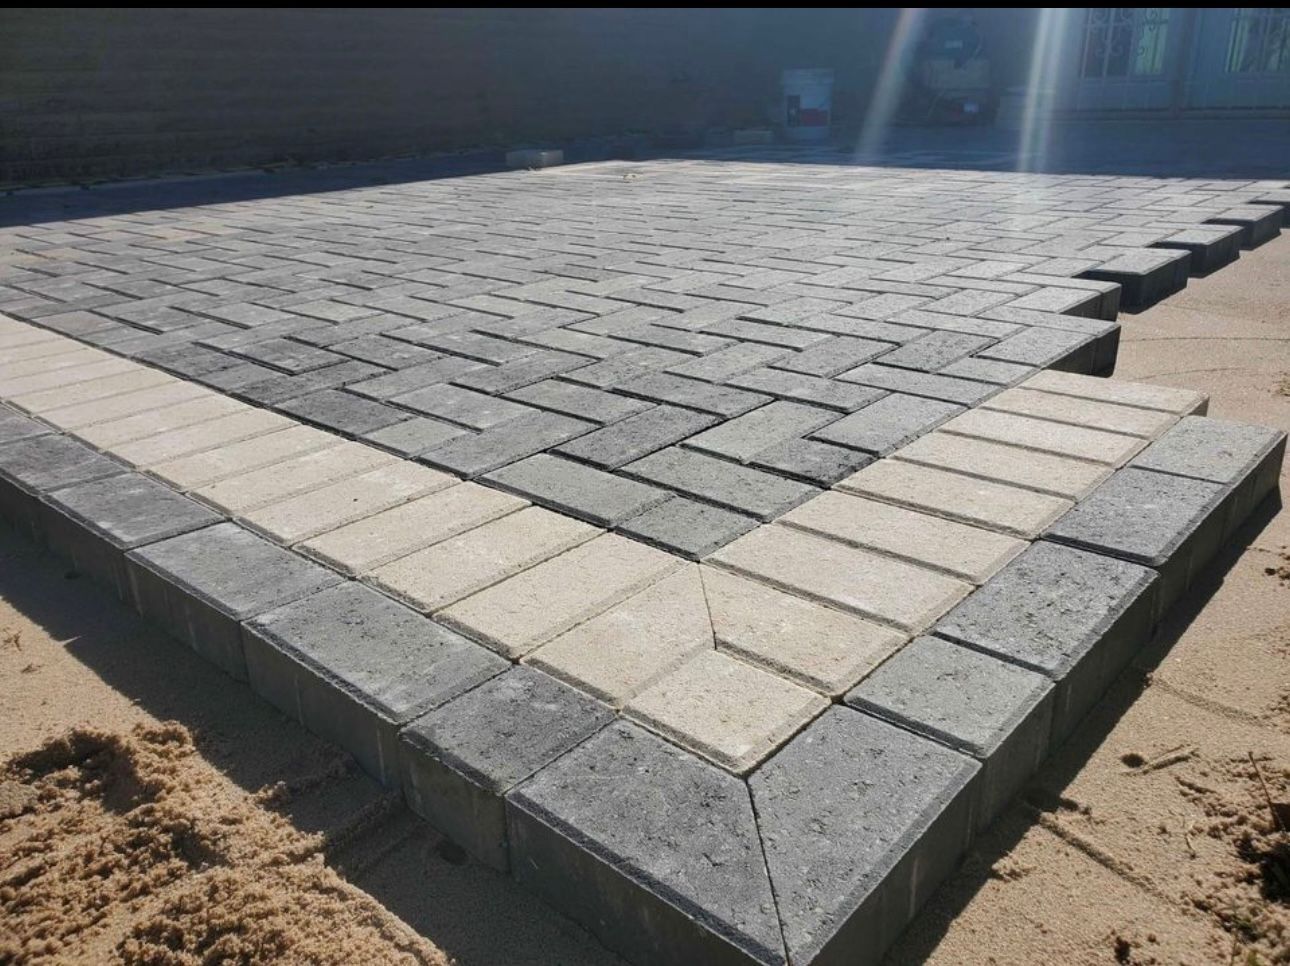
(1147, 839)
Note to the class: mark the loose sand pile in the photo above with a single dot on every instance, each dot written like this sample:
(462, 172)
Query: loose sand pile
(121, 848)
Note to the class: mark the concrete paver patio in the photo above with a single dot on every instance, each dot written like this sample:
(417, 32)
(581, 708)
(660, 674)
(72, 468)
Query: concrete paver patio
(830, 385)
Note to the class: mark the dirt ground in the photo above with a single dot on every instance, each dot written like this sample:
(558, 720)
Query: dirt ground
(145, 796)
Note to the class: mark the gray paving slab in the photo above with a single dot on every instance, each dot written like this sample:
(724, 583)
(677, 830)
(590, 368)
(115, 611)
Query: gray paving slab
(92, 524)
(687, 527)
(577, 489)
(629, 439)
(885, 817)
(652, 849)
(354, 667)
(1076, 617)
(1173, 524)
(201, 585)
(999, 713)
(739, 488)
(40, 464)
(887, 424)
(459, 761)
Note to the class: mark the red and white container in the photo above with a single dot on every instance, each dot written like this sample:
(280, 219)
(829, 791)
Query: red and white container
(808, 103)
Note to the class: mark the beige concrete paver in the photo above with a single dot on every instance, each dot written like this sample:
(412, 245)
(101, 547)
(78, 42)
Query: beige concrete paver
(49, 378)
(1112, 417)
(434, 577)
(729, 712)
(209, 465)
(526, 610)
(965, 551)
(815, 646)
(871, 585)
(1028, 468)
(95, 411)
(397, 532)
(244, 423)
(150, 422)
(616, 654)
(1046, 436)
(269, 484)
(1023, 513)
(337, 504)
(1180, 402)
(129, 380)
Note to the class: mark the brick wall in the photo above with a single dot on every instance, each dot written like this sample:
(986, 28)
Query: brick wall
(120, 91)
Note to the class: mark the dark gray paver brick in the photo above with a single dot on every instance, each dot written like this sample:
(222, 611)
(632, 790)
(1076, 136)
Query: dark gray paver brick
(831, 393)
(292, 357)
(522, 372)
(14, 426)
(279, 389)
(583, 402)
(391, 384)
(390, 353)
(994, 711)
(1045, 348)
(513, 440)
(739, 488)
(459, 761)
(630, 439)
(744, 436)
(930, 385)
(730, 361)
(693, 394)
(833, 356)
(35, 465)
(1075, 616)
(201, 585)
(888, 424)
(1145, 277)
(687, 527)
(354, 666)
(935, 351)
(343, 412)
(474, 410)
(653, 850)
(860, 820)
(93, 524)
(577, 489)
(1247, 459)
(1173, 524)
(811, 461)
(414, 436)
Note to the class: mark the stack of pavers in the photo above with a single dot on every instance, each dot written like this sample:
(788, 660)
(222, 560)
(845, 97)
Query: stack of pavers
(769, 749)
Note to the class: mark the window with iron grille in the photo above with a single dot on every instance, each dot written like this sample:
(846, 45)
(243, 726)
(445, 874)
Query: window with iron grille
(1125, 42)
(1260, 41)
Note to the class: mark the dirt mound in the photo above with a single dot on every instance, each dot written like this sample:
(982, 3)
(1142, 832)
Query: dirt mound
(122, 848)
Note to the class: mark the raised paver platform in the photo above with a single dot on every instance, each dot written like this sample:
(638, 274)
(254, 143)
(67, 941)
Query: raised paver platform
(721, 571)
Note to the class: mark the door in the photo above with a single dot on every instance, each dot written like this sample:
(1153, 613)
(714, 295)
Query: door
(1129, 58)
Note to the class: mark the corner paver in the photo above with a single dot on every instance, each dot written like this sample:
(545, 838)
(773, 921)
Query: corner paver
(201, 585)
(1075, 616)
(614, 655)
(729, 712)
(526, 610)
(860, 821)
(963, 551)
(652, 849)
(436, 576)
(459, 761)
(984, 503)
(353, 666)
(996, 712)
(382, 537)
(816, 646)
(870, 585)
